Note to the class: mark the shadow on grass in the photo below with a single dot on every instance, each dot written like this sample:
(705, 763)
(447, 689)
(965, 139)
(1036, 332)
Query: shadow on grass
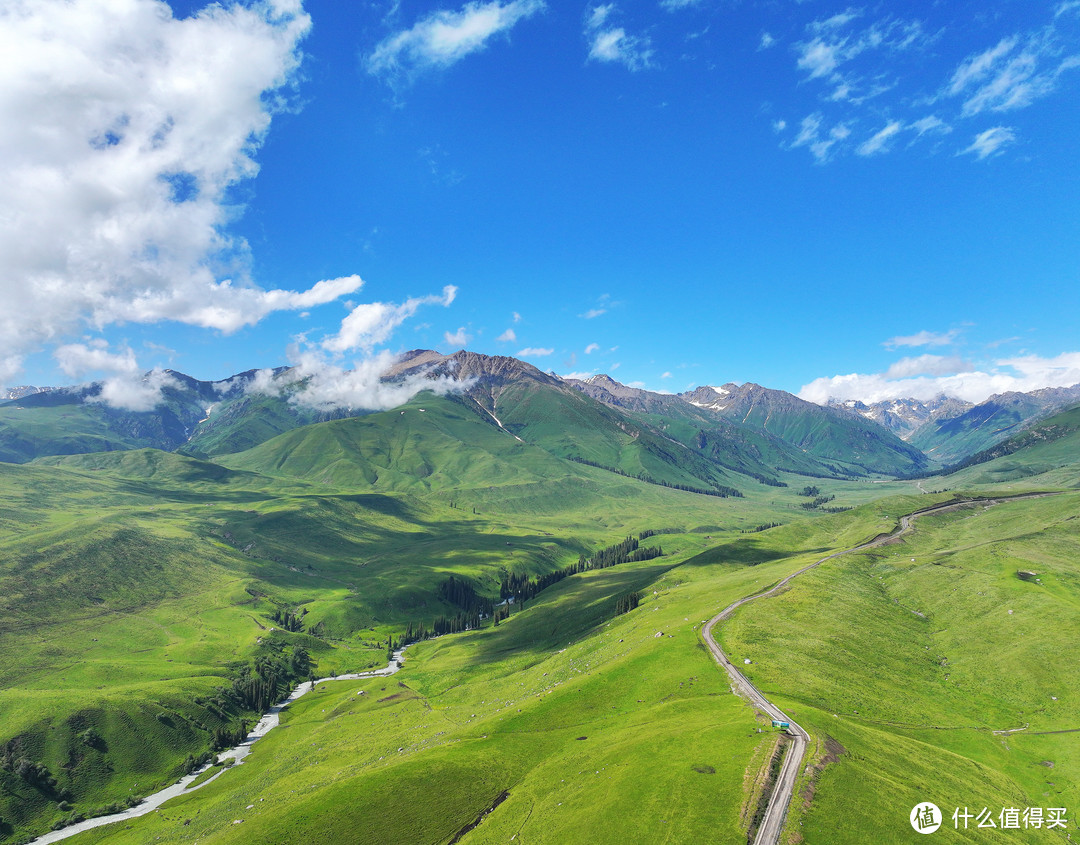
(563, 613)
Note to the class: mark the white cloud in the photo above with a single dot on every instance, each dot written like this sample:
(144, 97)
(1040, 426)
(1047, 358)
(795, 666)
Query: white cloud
(125, 385)
(458, 339)
(122, 131)
(444, 37)
(834, 46)
(779, 125)
(1010, 75)
(675, 5)
(598, 15)
(928, 365)
(77, 360)
(372, 323)
(930, 123)
(811, 136)
(923, 338)
(613, 44)
(326, 386)
(517, 317)
(990, 142)
(879, 142)
(766, 41)
(1022, 374)
(534, 352)
(666, 375)
(508, 336)
(135, 393)
(591, 348)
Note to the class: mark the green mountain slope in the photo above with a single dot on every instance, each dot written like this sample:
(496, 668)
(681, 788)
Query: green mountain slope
(1047, 453)
(996, 419)
(827, 433)
(741, 448)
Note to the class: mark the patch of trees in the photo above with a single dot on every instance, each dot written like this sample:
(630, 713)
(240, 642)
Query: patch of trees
(517, 588)
(652, 532)
(765, 526)
(288, 620)
(461, 593)
(809, 491)
(764, 479)
(624, 604)
(625, 552)
(227, 737)
(816, 502)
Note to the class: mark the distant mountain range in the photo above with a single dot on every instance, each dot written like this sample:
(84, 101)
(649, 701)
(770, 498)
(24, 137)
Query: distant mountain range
(711, 439)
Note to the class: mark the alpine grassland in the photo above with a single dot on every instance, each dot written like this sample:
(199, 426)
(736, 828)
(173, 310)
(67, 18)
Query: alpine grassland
(153, 604)
(573, 723)
(934, 668)
(138, 585)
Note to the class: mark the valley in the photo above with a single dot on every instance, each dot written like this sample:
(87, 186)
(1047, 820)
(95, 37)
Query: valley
(153, 599)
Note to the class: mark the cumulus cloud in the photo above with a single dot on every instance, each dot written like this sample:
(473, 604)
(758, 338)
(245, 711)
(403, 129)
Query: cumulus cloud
(135, 393)
(314, 382)
(517, 317)
(929, 376)
(508, 336)
(444, 37)
(323, 376)
(534, 352)
(370, 324)
(923, 338)
(609, 43)
(125, 385)
(990, 142)
(591, 348)
(122, 131)
(458, 339)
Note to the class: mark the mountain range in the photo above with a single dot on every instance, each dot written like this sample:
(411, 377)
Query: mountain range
(705, 438)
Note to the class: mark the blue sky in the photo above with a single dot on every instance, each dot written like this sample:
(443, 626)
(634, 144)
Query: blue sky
(851, 200)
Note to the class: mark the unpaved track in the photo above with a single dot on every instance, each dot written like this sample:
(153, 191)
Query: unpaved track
(776, 812)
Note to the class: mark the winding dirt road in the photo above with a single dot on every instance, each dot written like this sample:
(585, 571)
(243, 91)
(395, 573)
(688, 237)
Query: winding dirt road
(779, 801)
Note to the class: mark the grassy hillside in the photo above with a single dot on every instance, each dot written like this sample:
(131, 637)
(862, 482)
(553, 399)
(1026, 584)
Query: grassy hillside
(1048, 453)
(580, 717)
(914, 657)
(988, 423)
(189, 560)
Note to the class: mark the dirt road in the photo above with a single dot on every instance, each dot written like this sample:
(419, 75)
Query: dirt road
(773, 822)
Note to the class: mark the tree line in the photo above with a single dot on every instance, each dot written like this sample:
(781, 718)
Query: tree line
(516, 588)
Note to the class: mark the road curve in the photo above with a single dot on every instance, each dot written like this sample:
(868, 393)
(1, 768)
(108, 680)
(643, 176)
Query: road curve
(771, 825)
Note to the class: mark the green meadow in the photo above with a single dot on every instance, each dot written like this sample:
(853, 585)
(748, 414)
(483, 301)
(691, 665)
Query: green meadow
(135, 586)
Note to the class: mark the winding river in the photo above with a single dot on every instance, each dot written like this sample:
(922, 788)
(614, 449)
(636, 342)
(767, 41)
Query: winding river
(270, 720)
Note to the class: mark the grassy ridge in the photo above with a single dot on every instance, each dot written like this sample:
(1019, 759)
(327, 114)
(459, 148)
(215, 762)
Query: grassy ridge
(951, 645)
